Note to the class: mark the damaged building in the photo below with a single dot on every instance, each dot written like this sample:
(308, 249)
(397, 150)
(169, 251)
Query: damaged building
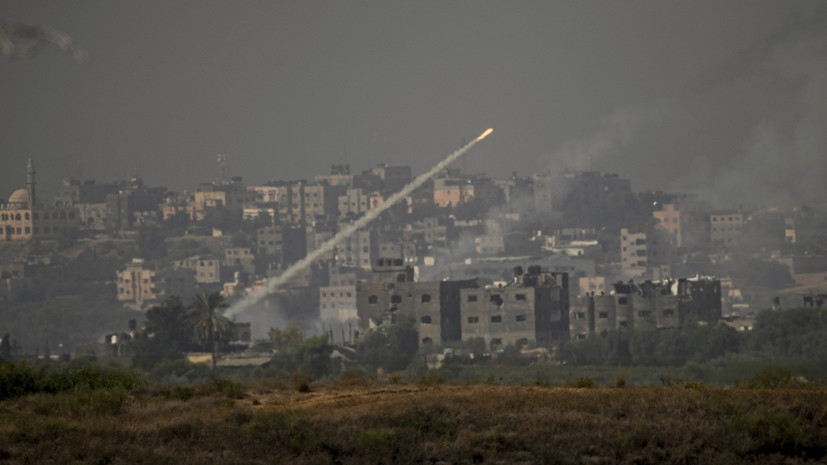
(648, 305)
(533, 306)
(434, 306)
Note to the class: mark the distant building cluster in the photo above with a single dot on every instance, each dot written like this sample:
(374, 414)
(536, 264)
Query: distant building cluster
(555, 256)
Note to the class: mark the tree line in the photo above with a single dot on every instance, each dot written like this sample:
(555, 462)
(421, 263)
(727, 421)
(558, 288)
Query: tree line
(793, 334)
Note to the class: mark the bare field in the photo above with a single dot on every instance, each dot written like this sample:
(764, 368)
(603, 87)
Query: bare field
(371, 421)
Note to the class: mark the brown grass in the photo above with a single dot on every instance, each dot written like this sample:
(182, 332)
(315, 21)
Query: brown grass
(365, 420)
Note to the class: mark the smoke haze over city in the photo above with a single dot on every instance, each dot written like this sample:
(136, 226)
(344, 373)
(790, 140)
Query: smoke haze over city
(725, 99)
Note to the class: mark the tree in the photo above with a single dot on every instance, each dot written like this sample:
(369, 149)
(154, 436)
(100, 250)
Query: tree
(164, 336)
(313, 357)
(207, 325)
(286, 339)
(391, 349)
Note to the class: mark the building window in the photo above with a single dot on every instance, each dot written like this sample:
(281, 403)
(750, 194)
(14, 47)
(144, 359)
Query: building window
(396, 299)
(603, 315)
(473, 319)
(425, 320)
(668, 312)
(519, 297)
(623, 301)
(644, 313)
(472, 297)
(427, 341)
(373, 299)
(426, 298)
(521, 318)
(496, 319)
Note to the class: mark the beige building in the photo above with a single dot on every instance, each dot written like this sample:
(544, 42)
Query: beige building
(726, 227)
(142, 285)
(265, 194)
(669, 220)
(633, 257)
(207, 269)
(450, 192)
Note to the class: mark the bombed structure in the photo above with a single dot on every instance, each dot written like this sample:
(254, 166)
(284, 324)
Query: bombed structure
(533, 307)
(648, 305)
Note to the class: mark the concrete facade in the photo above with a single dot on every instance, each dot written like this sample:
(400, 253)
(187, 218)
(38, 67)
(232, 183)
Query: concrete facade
(648, 305)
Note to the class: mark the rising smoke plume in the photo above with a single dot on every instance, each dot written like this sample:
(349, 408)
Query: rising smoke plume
(369, 217)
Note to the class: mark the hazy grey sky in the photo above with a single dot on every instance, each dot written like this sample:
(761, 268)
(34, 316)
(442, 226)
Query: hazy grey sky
(725, 97)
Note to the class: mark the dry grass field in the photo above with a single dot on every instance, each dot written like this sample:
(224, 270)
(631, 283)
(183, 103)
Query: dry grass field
(357, 420)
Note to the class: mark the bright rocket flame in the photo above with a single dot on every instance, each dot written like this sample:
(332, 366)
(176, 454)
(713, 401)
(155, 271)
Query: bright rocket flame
(487, 132)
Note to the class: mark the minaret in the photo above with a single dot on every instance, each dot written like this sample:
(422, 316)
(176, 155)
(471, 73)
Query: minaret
(30, 184)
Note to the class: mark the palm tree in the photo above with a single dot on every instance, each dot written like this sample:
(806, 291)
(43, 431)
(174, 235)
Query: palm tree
(206, 321)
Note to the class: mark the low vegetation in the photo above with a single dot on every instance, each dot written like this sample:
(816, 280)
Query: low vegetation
(357, 418)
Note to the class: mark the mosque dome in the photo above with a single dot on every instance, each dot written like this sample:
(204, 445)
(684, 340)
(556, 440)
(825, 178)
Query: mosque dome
(19, 199)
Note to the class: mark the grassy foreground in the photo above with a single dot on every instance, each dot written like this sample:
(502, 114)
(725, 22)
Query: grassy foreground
(364, 420)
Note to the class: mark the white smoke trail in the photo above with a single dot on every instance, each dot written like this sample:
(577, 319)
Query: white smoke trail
(369, 217)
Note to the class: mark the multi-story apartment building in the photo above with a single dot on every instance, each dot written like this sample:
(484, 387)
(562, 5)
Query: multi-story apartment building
(141, 285)
(265, 194)
(240, 259)
(89, 198)
(669, 219)
(284, 243)
(450, 192)
(308, 203)
(633, 257)
(207, 269)
(233, 195)
(533, 307)
(354, 202)
(726, 227)
(393, 178)
(134, 204)
(358, 249)
(649, 305)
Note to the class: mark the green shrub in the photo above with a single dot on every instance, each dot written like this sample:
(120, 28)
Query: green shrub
(775, 378)
(16, 379)
(231, 389)
(582, 383)
(19, 379)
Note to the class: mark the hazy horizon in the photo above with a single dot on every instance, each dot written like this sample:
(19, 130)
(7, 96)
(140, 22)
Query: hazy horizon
(725, 99)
